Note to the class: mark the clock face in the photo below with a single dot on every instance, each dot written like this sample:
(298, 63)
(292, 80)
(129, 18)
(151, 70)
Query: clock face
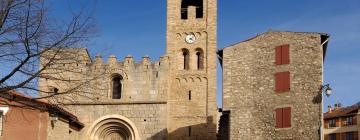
(190, 39)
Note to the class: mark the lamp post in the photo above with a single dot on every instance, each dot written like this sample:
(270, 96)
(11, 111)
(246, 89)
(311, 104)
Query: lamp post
(325, 89)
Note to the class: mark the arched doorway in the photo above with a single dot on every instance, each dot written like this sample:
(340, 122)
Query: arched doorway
(113, 127)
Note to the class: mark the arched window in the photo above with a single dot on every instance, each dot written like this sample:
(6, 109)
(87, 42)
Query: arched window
(117, 86)
(199, 58)
(198, 5)
(186, 58)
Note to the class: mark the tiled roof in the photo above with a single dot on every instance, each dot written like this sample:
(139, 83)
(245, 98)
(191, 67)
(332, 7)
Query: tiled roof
(43, 104)
(344, 111)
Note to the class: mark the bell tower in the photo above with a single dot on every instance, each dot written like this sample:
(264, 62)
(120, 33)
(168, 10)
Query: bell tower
(191, 47)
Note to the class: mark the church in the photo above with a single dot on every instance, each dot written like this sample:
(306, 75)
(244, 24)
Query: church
(271, 85)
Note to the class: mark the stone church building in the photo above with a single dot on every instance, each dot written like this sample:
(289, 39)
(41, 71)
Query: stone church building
(174, 98)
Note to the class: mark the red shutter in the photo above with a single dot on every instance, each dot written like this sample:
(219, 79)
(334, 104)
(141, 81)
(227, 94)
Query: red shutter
(278, 85)
(285, 54)
(282, 81)
(286, 78)
(279, 118)
(287, 117)
(278, 55)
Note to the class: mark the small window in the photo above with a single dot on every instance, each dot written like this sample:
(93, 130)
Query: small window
(189, 131)
(349, 121)
(283, 117)
(332, 123)
(282, 81)
(282, 55)
(200, 58)
(189, 94)
(185, 5)
(116, 86)
(186, 58)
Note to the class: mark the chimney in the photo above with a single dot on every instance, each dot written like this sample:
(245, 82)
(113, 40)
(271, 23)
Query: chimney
(329, 109)
(337, 106)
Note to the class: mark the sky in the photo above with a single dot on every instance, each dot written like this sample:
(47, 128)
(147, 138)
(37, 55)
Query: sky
(138, 28)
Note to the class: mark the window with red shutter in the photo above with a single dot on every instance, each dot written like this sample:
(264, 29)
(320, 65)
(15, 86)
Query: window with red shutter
(285, 54)
(279, 118)
(282, 81)
(282, 55)
(278, 55)
(286, 117)
(283, 117)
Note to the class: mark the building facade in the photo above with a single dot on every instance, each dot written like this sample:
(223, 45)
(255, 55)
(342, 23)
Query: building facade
(23, 118)
(172, 98)
(342, 123)
(271, 86)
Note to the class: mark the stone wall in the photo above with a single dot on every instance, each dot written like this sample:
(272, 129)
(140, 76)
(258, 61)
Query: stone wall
(83, 80)
(58, 130)
(161, 98)
(143, 96)
(249, 86)
(149, 118)
(193, 118)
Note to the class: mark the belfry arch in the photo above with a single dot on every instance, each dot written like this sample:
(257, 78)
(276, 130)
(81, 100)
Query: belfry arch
(113, 127)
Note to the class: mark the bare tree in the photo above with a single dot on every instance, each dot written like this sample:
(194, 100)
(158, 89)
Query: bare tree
(28, 34)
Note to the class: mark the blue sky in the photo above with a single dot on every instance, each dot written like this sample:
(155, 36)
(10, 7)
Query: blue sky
(138, 28)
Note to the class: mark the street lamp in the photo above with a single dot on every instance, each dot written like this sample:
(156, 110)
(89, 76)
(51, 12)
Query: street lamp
(326, 89)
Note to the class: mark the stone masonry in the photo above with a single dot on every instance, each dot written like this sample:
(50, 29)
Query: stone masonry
(249, 86)
(173, 98)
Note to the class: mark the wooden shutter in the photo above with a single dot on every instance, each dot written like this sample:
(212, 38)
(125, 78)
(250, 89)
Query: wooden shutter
(279, 118)
(286, 78)
(282, 81)
(287, 117)
(285, 54)
(278, 55)
(278, 83)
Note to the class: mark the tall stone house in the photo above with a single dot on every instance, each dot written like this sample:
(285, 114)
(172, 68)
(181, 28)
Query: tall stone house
(270, 91)
(342, 123)
(271, 86)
